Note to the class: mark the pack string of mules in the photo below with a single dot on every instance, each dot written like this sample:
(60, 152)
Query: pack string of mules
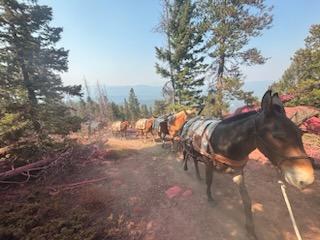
(224, 146)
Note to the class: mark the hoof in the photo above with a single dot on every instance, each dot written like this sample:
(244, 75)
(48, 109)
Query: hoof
(252, 236)
(212, 203)
(251, 232)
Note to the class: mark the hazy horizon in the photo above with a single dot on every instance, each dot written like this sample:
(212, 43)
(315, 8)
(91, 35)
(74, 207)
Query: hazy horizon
(148, 94)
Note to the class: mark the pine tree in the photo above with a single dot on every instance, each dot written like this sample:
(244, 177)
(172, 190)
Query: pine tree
(159, 107)
(144, 111)
(31, 88)
(229, 26)
(126, 111)
(134, 106)
(302, 78)
(183, 54)
(116, 112)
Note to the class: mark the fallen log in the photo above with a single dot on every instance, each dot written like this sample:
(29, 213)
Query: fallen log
(54, 190)
(32, 166)
(84, 182)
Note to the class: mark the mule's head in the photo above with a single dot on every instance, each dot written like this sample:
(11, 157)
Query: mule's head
(281, 141)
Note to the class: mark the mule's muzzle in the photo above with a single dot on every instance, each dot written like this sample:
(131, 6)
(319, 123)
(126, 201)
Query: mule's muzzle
(299, 173)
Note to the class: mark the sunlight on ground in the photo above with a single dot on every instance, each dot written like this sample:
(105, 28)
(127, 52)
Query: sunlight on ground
(136, 144)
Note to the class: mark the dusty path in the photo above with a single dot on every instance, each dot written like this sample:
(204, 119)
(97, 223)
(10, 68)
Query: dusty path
(141, 178)
(132, 204)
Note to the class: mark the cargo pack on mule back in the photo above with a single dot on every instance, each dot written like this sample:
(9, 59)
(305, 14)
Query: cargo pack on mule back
(120, 128)
(144, 126)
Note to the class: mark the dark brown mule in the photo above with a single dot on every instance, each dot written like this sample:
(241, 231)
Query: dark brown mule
(234, 138)
(144, 126)
(173, 125)
(160, 127)
(120, 127)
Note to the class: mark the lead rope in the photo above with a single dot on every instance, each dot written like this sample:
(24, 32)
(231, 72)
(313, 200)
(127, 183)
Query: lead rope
(286, 199)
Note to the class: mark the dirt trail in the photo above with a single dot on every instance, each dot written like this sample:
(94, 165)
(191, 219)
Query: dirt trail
(132, 202)
(141, 179)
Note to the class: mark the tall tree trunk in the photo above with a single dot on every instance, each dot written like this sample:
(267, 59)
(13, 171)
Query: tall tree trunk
(31, 94)
(26, 81)
(219, 85)
(166, 2)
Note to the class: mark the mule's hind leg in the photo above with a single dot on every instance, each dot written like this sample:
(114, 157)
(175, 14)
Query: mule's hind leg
(185, 160)
(209, 174)
(196, 166)
(239, 180)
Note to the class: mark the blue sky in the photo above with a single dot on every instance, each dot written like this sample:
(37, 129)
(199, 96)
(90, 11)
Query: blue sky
(113, 41)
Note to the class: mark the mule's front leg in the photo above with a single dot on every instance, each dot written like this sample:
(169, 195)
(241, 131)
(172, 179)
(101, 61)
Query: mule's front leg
(163, 136)
(153, 138)
(239, 180)
(172, 144)
(209, 174)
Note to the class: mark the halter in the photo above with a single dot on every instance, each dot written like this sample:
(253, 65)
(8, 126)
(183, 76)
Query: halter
(274, 151)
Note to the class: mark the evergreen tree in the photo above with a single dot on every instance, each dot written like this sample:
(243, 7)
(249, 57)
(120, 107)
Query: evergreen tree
(31, 88)
(144, 111)
(159, 107)
(302, 78)
(116, 112)
(134, 106)
(185, 66)
(229, 26)
(126, 111)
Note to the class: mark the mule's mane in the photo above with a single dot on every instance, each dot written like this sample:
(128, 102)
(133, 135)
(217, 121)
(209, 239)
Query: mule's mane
(238, 117)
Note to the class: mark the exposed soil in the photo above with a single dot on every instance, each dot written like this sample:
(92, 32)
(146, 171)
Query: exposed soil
(131, 203)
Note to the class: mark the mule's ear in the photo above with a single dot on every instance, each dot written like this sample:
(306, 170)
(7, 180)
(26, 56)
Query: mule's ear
(266, 102)
(277, 104)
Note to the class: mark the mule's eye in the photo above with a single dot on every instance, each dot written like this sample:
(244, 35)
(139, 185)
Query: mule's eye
(279, 135)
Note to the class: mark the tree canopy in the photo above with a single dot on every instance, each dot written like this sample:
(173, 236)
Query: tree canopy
(183, 58)
(302, 78)
(32, 92)
(230, 25)
(210, 38)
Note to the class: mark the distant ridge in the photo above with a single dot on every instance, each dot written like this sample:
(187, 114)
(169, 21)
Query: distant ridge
(147, 94)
